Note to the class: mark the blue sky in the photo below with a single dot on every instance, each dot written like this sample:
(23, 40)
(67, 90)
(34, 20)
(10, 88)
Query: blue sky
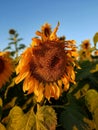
(78, 18)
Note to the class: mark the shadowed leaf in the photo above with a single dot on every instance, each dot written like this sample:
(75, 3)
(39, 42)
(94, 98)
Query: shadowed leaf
(72, 118)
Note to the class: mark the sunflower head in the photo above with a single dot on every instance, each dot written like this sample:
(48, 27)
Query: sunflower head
(12, 31)
(6, 67)
(86, 50)
(47, 66)
(46, 30)
(86, 45)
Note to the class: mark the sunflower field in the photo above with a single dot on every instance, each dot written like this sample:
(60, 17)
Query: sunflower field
(50, 85)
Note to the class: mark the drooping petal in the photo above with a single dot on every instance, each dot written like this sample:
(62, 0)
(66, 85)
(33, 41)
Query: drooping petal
(53, 35)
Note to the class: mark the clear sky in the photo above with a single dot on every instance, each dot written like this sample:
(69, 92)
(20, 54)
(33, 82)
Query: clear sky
(78, 18)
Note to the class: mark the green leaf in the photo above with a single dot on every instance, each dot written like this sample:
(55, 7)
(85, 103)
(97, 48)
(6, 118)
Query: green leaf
(16, 35)
(11, 43)
(95, 38)
(13, 53)
(84, 72)
(11, 39)
(86, 75)
(2, 127)
(7, 48)
(21, 46)
(19, 39)
(72, 118)
(43, 119)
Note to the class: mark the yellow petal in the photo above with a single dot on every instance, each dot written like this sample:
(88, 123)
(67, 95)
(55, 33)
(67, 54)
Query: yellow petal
(36, 88)
(66, 83)
(47, 91)
(60, 83)
(25, 85)
(35, 42)
(41, 95)
(31, 85)
(53, 35)
(39, 33)
(72, 75)
(52, 90)
(57, 91)
(20, 77)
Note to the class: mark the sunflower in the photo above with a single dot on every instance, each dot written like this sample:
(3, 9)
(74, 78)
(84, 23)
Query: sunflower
(47, 66)
(86, 45)
(6, 67)
(86, 50)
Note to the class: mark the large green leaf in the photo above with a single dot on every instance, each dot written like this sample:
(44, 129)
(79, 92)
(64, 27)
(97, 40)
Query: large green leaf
(84, 72)
(43, 119)
(86, 75)
(73, 117)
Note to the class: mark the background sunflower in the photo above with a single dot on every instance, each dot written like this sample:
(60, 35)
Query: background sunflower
(6, 67)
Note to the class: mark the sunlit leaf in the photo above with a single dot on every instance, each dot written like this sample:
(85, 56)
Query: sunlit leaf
(95, 69)
(82, 92)
(43, 119)
(1, 105)
(46, 116)
(95, 39)
(91, 99)
(2, 127)
(16, 120)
